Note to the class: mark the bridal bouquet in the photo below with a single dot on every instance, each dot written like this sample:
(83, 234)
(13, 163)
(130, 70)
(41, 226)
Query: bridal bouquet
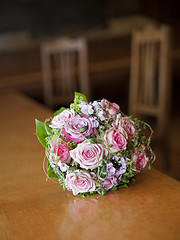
(94, 147)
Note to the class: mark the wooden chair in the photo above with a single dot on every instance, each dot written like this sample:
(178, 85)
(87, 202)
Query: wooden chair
(150, 88)
(65, 70)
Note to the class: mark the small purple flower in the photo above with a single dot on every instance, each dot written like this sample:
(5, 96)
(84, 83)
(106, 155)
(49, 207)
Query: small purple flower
(97, 104)
(95, 123)
(109, 183)
(114, 175)
(115, 157)
(86, 109)
(111, 177)
(123, 165)
(122, 161)
(63, 166)
(100, 114)
(110, 169)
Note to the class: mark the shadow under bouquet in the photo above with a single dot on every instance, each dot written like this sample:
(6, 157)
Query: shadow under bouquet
(94, 147)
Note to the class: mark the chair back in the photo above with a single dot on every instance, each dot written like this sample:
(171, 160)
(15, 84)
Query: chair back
(65, 70)
(150, 74)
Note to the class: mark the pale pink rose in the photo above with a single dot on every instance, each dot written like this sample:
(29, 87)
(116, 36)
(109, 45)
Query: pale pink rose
(80, 181)
(128, 126)
(89, 157)
(111, 109)
(59, 151)
(115, 139)
(59, 120)
(140, 160)
(76, 128)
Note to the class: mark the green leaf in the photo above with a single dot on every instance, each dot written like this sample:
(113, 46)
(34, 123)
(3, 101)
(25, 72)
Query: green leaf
(149, 166)
(41, 132)
(135, 142)
(79, 97)
(59, 111)
(103, 172)
(50, 172)
(123, 186)
(133, 179)
(48, 129)
(102, 192)
(114, 188)
(83, 129)
(76, 176)
(99, 106)
(91, 140)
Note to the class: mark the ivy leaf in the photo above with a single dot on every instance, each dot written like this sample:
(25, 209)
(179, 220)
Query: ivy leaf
(59, 111)
(41, 132)
(50, 172)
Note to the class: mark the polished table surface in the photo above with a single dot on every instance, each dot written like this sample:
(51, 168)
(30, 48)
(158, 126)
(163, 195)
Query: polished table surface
(31, 208)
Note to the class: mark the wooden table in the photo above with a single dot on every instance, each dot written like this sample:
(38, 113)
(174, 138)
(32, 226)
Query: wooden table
(31, 208)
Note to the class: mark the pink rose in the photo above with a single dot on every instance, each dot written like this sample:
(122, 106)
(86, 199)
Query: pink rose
(89, 157)
(59, 151)
(79, 182)
(110, 108)
(59, 120)
(128, 126)
(77, 127)
(115, 139)
(140, 161)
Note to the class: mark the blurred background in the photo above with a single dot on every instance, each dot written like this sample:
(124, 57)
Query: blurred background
(107, 26)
